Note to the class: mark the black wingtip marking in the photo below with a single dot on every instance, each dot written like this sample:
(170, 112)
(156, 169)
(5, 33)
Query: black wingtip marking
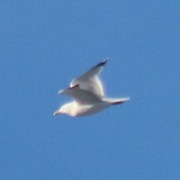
(104, 61)
(101, 63)
(118, 102)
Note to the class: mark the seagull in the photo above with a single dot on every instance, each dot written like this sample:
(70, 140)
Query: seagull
(88, 93)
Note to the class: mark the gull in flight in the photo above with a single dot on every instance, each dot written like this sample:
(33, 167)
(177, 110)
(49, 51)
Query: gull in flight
(88, 93)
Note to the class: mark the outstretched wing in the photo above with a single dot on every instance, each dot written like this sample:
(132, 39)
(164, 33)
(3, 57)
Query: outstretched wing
(80, 95)
(115, 101)
(90, 81)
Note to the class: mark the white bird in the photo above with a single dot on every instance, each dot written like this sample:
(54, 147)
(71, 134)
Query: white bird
(88, 93)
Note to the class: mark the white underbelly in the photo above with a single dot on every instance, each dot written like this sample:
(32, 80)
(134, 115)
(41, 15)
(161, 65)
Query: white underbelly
(92, 109)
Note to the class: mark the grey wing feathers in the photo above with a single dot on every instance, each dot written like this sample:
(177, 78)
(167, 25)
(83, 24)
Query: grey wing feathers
(80, 95)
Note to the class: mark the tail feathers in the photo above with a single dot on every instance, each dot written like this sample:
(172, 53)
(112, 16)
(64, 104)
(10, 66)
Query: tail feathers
(116, 101)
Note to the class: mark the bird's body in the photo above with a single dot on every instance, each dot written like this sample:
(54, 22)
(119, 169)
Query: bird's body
(88, 92)
(76, 109)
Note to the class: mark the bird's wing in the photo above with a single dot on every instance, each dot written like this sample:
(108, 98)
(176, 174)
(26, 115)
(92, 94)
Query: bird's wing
(115, 101)
(90, 81)
(80, 95)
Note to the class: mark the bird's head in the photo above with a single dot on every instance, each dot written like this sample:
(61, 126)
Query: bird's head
(66, 109)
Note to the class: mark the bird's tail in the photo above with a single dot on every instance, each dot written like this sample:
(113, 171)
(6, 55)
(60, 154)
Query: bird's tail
(116, 101)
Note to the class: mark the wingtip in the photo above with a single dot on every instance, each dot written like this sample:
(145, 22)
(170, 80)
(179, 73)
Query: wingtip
(120, 101)
(128, 98)
(103, 62)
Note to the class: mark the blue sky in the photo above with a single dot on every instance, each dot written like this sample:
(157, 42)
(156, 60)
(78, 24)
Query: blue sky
(44, 44)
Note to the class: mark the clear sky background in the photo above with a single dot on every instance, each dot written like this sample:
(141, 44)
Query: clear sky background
(46, 43)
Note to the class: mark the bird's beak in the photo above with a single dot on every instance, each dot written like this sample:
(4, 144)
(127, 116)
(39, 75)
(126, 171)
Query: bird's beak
(57, 113)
